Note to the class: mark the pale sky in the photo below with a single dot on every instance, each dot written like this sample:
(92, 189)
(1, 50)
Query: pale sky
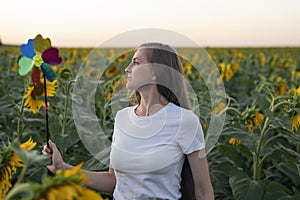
(89, 23)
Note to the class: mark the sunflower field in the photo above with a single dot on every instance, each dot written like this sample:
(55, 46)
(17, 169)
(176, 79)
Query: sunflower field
(257, 155)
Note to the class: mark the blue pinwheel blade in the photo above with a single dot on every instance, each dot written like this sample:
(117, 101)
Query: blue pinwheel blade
(48, 71)
(28, 49)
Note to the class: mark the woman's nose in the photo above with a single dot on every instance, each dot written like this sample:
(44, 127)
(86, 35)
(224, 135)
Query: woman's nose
(128, 69)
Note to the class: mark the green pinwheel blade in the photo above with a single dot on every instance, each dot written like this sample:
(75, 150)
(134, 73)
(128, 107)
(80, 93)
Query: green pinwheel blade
(41, 44)
(25, 65)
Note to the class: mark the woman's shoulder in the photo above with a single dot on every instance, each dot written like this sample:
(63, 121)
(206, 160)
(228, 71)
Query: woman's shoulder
(186, 114)
(124, 111)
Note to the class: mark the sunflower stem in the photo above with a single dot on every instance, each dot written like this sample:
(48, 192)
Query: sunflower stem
(235, 110)
(64, 123)
(257, 161)
(22, 175)
(281, 103)
(21, 111)
(18, 189)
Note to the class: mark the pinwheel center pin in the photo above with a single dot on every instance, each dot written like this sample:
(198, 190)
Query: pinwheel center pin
(38, 60)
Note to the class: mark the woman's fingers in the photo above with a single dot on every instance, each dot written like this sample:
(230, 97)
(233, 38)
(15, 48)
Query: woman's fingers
(51, 144)
(49, 149)
(46, 151)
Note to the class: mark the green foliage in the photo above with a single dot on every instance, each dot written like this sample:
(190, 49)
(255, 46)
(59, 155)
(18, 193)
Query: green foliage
(30, 157)
(265, 165)
(246, 189)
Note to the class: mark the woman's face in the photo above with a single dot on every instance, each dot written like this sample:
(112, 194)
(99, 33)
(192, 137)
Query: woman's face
(139, 71)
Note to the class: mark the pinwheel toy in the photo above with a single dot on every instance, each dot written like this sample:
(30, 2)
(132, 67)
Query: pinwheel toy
(38, 56)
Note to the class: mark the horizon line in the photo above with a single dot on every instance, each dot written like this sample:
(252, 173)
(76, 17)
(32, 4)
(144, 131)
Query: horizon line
(175, 46)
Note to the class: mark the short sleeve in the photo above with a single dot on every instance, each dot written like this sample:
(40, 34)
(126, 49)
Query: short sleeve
(191, 137)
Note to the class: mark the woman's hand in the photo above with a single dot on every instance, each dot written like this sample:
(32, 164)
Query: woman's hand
(56, 158)
(100, 181)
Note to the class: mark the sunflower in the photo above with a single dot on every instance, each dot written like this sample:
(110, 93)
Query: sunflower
(297, 74)
(262, 58)
(50, 88)
(15, 68)
(67, 191)
(28, 145)
(187, 68)
(296, 122)
(273, 59)
(74, 171)
(296, 91)
(108, 96)
(8, 167)
(218, 108)
(234, 141)
(198, 76)
(9, 161)
(256, 120)
(87, 194)
(282, 89)
(250, 126)
(31, 101)
(70, 191)
(66, 184)
(33, 92)
(111, 55)
(93, 73)
(111, 71)
(55, 68)
(123, 58)
(235, 67)
(228, 71)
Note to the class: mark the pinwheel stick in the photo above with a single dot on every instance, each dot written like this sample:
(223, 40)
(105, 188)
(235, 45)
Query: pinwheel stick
(38, 54)
(46, 110)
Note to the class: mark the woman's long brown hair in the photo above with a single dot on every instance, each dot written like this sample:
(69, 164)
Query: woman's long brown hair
(173, 88)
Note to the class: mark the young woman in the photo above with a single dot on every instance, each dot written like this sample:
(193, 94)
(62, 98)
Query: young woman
(152, 140)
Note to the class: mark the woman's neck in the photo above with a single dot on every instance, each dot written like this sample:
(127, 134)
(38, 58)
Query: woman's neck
(151, 102)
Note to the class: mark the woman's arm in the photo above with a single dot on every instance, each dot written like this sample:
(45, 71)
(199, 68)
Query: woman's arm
(200, 171)
(100, 181)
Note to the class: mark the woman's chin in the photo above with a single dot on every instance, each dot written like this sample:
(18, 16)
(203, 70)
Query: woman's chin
(130, 87)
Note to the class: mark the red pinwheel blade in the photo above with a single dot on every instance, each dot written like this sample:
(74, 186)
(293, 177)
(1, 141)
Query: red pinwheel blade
(51, 56)
(35, 76)
(48, 72)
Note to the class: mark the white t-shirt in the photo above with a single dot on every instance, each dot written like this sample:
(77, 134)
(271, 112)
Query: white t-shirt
(148, 151)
